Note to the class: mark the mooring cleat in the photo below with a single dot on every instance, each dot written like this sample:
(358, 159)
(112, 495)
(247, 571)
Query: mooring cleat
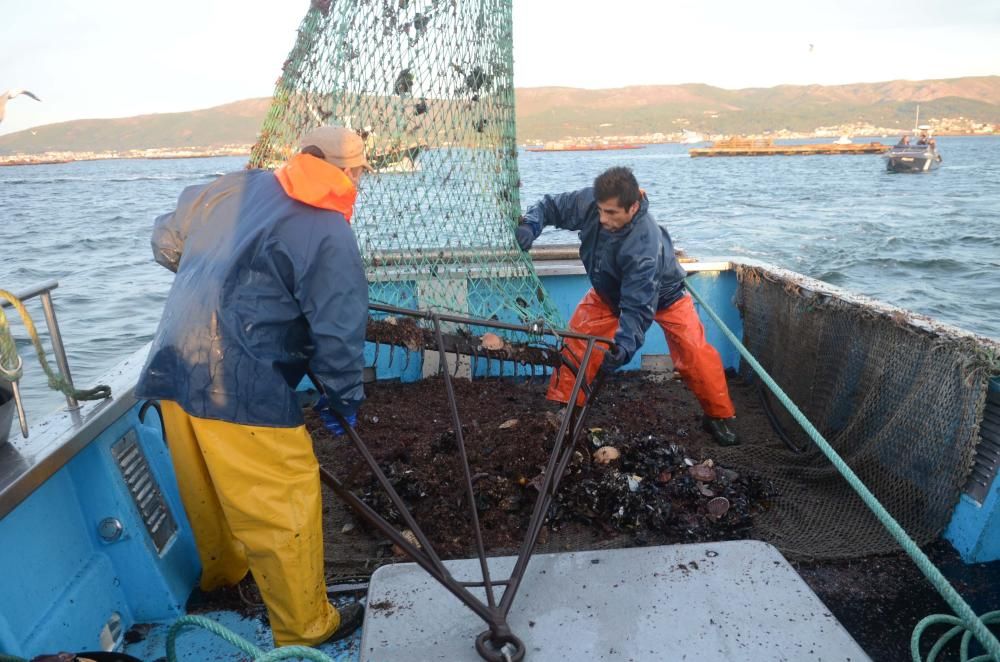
(721, 430)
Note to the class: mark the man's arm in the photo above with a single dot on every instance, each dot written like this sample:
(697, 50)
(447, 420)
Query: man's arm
(332, 291)
(564, 210)
(639, 292)
(195, 204)
(170, 231)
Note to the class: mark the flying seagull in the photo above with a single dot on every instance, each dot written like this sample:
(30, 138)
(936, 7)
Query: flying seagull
(10, 94)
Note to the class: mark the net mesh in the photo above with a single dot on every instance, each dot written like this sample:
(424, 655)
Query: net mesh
(428, 84)
(900, 403)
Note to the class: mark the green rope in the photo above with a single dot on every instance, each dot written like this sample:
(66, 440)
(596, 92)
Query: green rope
(967, 620)
(257, 654)
(11, 368)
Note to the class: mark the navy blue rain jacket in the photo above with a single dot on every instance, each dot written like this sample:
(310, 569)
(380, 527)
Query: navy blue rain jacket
(634, 270)
(266, 286)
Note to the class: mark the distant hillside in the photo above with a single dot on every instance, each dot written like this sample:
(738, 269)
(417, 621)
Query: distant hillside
(552, 112)
(233, 123)
(548, 113)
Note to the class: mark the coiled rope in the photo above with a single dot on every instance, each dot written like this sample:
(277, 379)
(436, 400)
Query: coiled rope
(11, 367)
(967, 620)
(257, 654)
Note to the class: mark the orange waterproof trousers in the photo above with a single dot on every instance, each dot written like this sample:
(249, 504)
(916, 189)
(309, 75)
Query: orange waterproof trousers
(697, 362)
(252, 495)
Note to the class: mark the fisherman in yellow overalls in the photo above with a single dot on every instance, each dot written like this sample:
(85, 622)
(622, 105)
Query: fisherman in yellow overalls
(269, 283)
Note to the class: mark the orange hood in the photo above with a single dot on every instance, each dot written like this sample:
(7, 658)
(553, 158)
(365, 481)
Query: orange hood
(315, 182)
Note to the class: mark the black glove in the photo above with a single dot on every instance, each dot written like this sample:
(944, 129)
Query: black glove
(525, 236)
(614, 358)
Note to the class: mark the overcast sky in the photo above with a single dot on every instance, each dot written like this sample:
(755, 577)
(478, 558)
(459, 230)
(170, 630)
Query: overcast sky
(116, 58)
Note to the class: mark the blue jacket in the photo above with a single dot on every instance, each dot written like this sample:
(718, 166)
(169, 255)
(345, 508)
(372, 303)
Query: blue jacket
(634, 270)
(266, 286)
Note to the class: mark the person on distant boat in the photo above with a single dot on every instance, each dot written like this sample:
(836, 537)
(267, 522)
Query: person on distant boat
(636, 279)
(923, 138)
(903, 142)
(269, 283)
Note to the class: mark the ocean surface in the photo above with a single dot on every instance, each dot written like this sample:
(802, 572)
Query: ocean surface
(929, 243)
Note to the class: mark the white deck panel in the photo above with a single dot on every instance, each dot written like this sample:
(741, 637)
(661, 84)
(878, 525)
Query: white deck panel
(736, 600)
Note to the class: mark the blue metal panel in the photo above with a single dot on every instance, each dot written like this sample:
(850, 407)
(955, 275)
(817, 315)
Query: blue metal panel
(155, 586)
(62, 581)
(718, 288)
(57, 591)
(394, 362)
(974, 530)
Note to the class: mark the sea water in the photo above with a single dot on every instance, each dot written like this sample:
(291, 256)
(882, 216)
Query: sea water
(929, 243)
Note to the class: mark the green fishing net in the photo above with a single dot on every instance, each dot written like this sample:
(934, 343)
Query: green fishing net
(429, 86)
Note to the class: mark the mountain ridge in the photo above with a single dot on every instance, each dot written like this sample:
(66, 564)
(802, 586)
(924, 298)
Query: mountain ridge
(552, 113)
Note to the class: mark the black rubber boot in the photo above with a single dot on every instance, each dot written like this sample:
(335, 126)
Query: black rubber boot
(721, 430)
(351, 618)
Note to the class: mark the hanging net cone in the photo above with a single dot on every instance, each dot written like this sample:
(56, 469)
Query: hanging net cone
(428, 84)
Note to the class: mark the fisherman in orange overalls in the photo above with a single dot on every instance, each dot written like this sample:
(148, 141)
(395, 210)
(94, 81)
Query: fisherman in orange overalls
(636, 279)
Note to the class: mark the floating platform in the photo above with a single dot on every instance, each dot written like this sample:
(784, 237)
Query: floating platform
(721, 601)
(740, 147)
(583, 148)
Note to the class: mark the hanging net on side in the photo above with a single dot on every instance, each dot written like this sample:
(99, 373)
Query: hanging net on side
(428, 84)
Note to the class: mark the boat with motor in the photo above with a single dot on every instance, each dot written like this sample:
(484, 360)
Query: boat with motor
(105, 560)
(915, 152)
(907, 158)
(912, 159)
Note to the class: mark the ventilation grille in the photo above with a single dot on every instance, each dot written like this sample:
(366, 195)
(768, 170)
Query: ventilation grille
(984, 470)
(145, 492)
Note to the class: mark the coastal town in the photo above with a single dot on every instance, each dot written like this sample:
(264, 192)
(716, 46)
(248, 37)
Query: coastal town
(153, 153)
(949, 126)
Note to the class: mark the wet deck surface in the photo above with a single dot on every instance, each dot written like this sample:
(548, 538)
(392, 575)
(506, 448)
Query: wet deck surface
(195, 644)
(722, 601)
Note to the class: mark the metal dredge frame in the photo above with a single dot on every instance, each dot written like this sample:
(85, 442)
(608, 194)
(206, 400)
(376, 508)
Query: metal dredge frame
(498, 643)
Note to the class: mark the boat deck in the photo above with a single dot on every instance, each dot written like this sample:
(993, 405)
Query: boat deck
(724, 601)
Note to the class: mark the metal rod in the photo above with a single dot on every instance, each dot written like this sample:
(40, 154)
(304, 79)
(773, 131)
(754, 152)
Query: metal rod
(19, 405)
(397, 501)
(538, 515)
(495, 616)
(441, 574)
(458, 319)
(57, 345)
(31, 292)
(460, 439)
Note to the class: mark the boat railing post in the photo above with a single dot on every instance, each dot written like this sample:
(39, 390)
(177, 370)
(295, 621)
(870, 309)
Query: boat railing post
(57, 345)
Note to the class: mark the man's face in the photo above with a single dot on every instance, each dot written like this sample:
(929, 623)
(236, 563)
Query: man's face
(355, 174)
(613, 216)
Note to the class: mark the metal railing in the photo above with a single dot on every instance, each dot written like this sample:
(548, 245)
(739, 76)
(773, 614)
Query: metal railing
(43, 292)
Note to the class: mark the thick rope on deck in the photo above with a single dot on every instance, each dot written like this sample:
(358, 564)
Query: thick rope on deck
(967, 619)
(11, 368)
(257, 654)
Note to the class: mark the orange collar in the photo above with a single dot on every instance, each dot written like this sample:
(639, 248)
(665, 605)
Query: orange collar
(317, 183)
